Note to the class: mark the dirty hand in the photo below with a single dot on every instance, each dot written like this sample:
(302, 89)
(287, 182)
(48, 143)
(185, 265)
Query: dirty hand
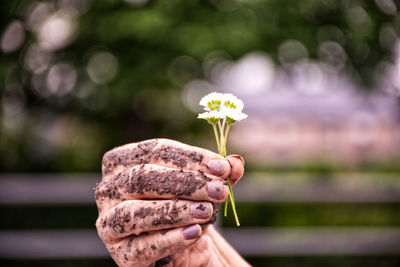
(153, 197)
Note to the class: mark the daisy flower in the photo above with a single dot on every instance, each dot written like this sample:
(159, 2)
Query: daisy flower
(233, 114)
(211, 116)
(222, 110)
(212, 101)
(231, 101)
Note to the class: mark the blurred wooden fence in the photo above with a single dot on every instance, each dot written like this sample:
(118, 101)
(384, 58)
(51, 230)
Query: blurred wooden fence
(56, 190)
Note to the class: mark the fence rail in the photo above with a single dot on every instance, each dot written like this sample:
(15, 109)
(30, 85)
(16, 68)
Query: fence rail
(51, 244)
(257, 187)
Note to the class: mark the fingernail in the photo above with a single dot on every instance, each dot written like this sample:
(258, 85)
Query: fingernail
(217, 166)
(238, 157)
(201, 210)
(191, 232)
(216, 189)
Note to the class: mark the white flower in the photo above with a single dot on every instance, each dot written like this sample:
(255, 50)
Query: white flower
(233, 114)
(231, 101)
(222, 106)
(212, 116)
(212, 101)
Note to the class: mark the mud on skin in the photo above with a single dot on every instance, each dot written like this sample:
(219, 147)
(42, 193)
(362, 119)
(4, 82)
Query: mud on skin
(167, 214)
(133, 251)
(118, 221)
(141, 180)
(146, 152)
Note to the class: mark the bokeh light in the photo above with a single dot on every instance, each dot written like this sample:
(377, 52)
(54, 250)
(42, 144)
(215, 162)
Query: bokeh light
(12, 37)
(102, 67)
(56, 31)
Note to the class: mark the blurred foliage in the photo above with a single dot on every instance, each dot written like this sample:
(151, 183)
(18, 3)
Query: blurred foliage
(69, 131)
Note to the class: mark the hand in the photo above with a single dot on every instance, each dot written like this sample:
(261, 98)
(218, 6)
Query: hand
(153, 197)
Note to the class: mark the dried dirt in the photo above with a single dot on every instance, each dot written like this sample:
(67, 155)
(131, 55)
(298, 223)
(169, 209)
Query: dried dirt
(145, 152)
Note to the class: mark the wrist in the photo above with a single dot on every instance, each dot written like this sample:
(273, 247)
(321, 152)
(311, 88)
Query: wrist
(224, 249)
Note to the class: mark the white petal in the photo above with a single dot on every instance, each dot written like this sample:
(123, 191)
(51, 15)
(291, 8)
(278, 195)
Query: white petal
(234, 114)
(211, 97)
(211, 115)
(230, 100)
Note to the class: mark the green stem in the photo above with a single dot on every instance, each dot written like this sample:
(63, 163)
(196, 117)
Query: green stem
(216, 137)
(226, 207)
(233, 203)
(228, 125)
(221, 131)
(224, 137)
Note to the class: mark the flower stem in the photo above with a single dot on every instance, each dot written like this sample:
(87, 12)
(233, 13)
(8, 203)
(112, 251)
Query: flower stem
(222, 151)
(228, 125)
(216, 137)
(226, 207)
(233, 203)
(221, 132)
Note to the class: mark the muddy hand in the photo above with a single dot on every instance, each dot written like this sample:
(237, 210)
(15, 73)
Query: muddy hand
(155, 194)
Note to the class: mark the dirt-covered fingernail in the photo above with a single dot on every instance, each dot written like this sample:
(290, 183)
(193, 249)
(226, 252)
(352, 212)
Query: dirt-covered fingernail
(191, 232)
(238, 157)
(217, 166)
(216, 189)
(202, 210)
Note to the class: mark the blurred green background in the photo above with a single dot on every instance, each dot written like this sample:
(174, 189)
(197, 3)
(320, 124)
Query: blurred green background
(78, 78)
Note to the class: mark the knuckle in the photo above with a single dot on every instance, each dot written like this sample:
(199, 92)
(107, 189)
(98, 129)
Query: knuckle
(158, 213)
(119, 220)
(138, 153)
(139, 250)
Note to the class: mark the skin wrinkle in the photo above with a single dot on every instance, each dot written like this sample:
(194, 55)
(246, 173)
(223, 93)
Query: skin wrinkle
(214, 215)
(118, 220)
(144, 212)
(130, 242)
(133, 249)
(167, 215)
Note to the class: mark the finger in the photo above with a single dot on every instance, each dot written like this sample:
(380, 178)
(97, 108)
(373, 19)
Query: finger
(156, 182)
(167, 153)
(237, 168)
(146, 249)
(138, 216)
